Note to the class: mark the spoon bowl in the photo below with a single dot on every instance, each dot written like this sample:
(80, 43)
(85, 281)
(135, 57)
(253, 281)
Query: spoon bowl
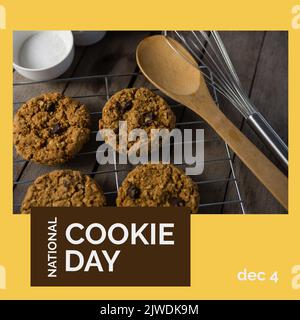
(183, 80)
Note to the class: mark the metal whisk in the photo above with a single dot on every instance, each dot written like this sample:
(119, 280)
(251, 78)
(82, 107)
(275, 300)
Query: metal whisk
(208, 49)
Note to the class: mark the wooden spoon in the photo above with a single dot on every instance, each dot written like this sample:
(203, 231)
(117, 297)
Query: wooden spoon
(174, 73)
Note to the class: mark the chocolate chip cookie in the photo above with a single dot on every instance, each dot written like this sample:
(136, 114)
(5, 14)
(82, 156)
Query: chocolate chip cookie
(51, 128)
(158, 185)
(141, 108)
(63, 188)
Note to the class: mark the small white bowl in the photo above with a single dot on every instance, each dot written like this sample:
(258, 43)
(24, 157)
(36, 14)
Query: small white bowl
(87, 38)
(42, 55)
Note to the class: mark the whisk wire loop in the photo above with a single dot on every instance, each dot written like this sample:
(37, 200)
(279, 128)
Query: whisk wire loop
(210, 54)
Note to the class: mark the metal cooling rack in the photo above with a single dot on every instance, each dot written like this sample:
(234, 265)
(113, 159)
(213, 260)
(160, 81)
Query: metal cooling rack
(117, 169)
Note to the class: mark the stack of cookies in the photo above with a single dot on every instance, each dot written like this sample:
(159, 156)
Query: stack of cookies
(51, 129)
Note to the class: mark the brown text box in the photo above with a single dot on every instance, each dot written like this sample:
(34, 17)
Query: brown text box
(136, 264)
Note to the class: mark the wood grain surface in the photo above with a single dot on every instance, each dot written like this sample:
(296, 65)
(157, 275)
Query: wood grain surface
(260, 59)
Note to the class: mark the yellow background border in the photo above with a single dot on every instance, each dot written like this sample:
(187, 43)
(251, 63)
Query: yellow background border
(222, 245)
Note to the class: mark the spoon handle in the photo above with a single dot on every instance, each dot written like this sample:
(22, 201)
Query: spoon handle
(267, 173)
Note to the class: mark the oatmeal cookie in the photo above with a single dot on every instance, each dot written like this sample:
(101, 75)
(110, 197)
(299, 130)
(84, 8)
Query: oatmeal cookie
(63, 188)
(51, 128)
(158, 185)
(141, 108)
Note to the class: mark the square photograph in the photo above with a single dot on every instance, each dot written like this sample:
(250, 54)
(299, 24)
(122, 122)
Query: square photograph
(221, 97)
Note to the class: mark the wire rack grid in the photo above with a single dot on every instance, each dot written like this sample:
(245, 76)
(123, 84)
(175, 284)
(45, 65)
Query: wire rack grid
(117, 169)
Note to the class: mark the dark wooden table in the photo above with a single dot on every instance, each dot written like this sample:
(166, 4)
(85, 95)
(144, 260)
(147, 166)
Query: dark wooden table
(261, 62)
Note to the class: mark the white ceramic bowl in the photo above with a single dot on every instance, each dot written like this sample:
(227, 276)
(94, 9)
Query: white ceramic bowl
(42, 55)
(87, 38)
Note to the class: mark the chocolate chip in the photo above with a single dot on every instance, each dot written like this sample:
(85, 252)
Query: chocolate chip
(43, 144)
(51, 107)
(148, 118)
(116, 132)
(176, 202)
(118, 106)
(133, 192)
(127, 106)
(66, 183)
(57, 129)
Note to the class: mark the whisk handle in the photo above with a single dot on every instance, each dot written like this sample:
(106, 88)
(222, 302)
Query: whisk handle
(266, 172)
(269, 137)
